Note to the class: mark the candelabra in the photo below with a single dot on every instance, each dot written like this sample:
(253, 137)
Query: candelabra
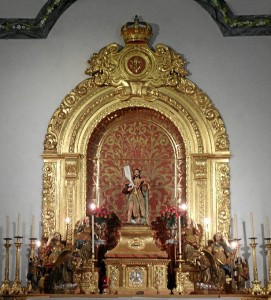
(17, 287)
(256, 288)
(268, 246)
(179, 275)
(5, 288)
(184, 285)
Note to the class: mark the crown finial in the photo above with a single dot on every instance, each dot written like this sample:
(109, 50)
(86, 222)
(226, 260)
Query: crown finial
(136, 31)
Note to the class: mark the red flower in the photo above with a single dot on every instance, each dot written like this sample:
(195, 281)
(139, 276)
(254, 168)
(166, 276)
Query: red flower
(101, 214)
(171, 214)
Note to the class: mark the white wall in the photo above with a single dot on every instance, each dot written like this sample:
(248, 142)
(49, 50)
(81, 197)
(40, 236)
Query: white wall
(35, 76)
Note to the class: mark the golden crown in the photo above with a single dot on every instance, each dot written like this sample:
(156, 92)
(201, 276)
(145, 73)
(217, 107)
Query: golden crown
(136, 31)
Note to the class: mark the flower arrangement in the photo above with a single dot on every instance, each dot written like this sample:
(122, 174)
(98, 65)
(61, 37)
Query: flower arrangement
(101, 215)
(171, 214)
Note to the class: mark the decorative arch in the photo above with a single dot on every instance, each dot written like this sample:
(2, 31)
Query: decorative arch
(151, 84)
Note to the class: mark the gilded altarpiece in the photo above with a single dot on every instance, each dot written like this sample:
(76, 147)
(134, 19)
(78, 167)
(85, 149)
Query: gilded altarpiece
(136, 107)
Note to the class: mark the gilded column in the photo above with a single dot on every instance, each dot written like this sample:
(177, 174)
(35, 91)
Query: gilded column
(200, 178)
(71, 176)
(223, 197)
(49, 198)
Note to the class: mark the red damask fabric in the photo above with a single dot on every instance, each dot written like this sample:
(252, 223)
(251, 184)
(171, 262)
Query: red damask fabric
(141, 138)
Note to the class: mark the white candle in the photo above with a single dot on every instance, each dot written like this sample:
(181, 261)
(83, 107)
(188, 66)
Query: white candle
(180, 235)
(7, 226)
(207, 222)
(252, 224)
(92, 209)
(92, 233)
(267, 227)
(235, 227)
(33, 227)
(67, 220)
(19, 225)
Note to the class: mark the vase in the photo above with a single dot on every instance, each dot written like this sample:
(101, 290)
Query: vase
(172, 230)
(100, 230)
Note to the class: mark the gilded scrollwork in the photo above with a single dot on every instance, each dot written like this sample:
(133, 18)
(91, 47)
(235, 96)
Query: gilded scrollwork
(200, 169)
(200, 172)
(114, 66)
(136, 63)
(56, 124)
(210, 112)
(48, 203)
(102, 65)
(201, 197)
(113, 277)
(223, 197)
(159, 276)
(171, 65)
(136, 244)
(50, 142)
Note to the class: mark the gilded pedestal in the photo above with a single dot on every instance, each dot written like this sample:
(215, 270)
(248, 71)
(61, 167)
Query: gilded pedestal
(136, 265)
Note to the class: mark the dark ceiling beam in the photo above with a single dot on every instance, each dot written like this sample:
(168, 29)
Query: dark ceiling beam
(229, 24)
(37, 28)
(236, 25)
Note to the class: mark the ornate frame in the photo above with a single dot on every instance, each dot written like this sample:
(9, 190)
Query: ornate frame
(136, 76)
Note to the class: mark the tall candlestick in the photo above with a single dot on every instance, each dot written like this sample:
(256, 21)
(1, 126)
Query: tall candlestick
(33, 226)
(7, 226)
(19, 225)
(267, 227)
(252, 224)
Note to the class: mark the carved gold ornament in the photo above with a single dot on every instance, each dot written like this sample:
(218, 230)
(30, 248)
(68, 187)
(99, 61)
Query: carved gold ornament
(136, 244)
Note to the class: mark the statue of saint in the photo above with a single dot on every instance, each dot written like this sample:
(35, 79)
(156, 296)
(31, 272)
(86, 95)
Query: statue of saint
(222, 252)
(137, 191)
(55, 247)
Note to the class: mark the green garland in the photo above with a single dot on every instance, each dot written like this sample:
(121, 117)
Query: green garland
(234, 22)
(230, 24)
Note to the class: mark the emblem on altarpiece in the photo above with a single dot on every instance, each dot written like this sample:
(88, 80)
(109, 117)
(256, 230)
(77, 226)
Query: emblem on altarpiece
(114, 66)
